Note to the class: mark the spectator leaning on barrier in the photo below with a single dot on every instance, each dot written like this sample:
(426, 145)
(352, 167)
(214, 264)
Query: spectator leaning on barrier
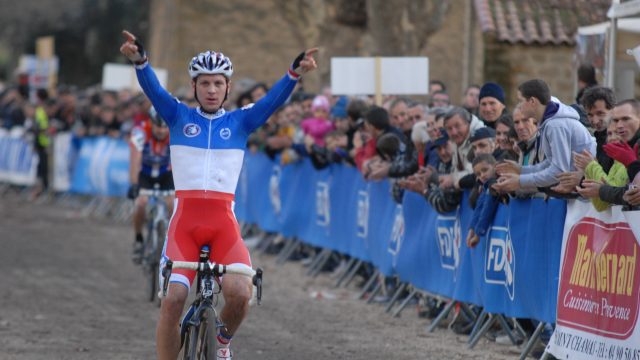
(435, 86)
(470, 101)
(425, 181)
(492, 103)
(319, 125)
(41, 143)
(506, 139)
(528, 154)
(435, 124)
(488, 200)
(586, 80)
(625, 116)
(593, 170)
(459, 124)
(420, 138)
(416, 112)
(440, 99)
(376, 124)
(560, 133)
(598, 101)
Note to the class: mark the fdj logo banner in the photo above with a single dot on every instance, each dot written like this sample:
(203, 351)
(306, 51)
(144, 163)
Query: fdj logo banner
(500, 262)
(363, 213)
(322, 204)
(448, 231)
(397, 234)
(274, 190)
(598, 290)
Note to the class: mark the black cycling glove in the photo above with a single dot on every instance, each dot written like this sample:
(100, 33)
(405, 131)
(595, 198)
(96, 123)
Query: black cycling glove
(295, 66)
(133, 191)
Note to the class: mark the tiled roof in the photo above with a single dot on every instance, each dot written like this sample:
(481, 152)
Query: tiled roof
(546, 22)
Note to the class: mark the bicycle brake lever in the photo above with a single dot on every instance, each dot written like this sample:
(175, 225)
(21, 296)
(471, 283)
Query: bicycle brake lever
(257, 281)
(166, 274)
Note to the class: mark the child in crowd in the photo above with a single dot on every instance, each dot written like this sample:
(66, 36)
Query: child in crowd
(617, 175)
(391, 149)
(319, 125)
(484, 167)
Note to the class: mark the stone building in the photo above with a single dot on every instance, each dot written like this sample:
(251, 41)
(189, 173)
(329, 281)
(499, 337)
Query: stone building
(467, 41)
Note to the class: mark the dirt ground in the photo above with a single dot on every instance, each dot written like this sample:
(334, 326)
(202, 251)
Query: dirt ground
(70, 291)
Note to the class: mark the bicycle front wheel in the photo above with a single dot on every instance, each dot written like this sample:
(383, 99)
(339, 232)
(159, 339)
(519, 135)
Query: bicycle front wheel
(200, 343)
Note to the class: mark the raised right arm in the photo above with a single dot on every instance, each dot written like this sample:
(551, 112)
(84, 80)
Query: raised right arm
(165, 103)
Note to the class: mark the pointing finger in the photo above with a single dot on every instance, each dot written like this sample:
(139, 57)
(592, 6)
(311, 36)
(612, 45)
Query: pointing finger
(130, 37)
(311, 52)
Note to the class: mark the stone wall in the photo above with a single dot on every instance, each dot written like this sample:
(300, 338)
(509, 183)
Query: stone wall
(251, 33)
(510, 65)
(262, 43)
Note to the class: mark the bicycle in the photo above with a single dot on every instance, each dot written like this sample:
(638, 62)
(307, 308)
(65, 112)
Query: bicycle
(156, 229)
(200, 323)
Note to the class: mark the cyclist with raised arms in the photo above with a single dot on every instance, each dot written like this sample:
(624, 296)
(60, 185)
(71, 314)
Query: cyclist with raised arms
(207, 149)
(149, 166)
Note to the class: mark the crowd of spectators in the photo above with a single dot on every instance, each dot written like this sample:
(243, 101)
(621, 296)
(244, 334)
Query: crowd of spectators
(541, 147)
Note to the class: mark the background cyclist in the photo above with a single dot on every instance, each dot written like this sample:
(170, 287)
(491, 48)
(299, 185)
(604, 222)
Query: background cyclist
(149, 165)
(207, 150)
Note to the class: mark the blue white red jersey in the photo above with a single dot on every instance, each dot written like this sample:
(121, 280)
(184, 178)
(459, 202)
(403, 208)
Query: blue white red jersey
(156, 154)
(207, 150)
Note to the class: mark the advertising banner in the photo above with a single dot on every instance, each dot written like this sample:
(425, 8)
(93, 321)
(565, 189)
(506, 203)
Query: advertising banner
(599, 290)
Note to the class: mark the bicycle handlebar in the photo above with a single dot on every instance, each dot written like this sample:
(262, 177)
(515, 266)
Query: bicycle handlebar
(216, 270)
(156, 192)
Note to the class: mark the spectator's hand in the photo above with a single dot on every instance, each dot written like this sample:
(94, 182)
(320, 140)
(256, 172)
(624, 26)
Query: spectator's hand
(622, 152)
(508, 167)
(446, 181)
(133, 191)
(632, 196)
(132, 48)
(507, 182)
(428, 172)
(358, 140)
(413, 184)
(568, 181)
(305, 62)
(379, 170)
(582, 159)
(590, 189)
(472, 239)
(308, 142)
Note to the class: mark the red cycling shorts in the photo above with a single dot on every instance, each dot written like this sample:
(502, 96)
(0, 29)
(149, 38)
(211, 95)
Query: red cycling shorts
(203, 218)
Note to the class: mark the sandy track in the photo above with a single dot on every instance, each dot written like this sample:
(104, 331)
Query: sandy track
(69, 291)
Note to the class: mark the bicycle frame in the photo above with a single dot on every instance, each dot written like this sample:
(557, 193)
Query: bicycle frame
(196, 334)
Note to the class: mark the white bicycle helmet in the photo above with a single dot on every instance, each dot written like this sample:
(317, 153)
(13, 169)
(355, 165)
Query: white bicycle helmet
(210, 62)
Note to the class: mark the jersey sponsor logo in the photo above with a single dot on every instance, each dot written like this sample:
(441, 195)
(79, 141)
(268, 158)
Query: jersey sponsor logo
(449, 239)
(322, 204)
(248, 106)
(274, 190)
(500, 267)
(363, 213)
(191, 130)
(225, 133)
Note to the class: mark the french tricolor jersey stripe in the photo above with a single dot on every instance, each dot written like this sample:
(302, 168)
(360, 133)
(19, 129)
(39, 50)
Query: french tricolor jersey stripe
(207, 150)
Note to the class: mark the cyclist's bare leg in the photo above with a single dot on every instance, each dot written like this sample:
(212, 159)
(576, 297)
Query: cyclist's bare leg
(168, 332)
(237, 293)
(139, 213)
